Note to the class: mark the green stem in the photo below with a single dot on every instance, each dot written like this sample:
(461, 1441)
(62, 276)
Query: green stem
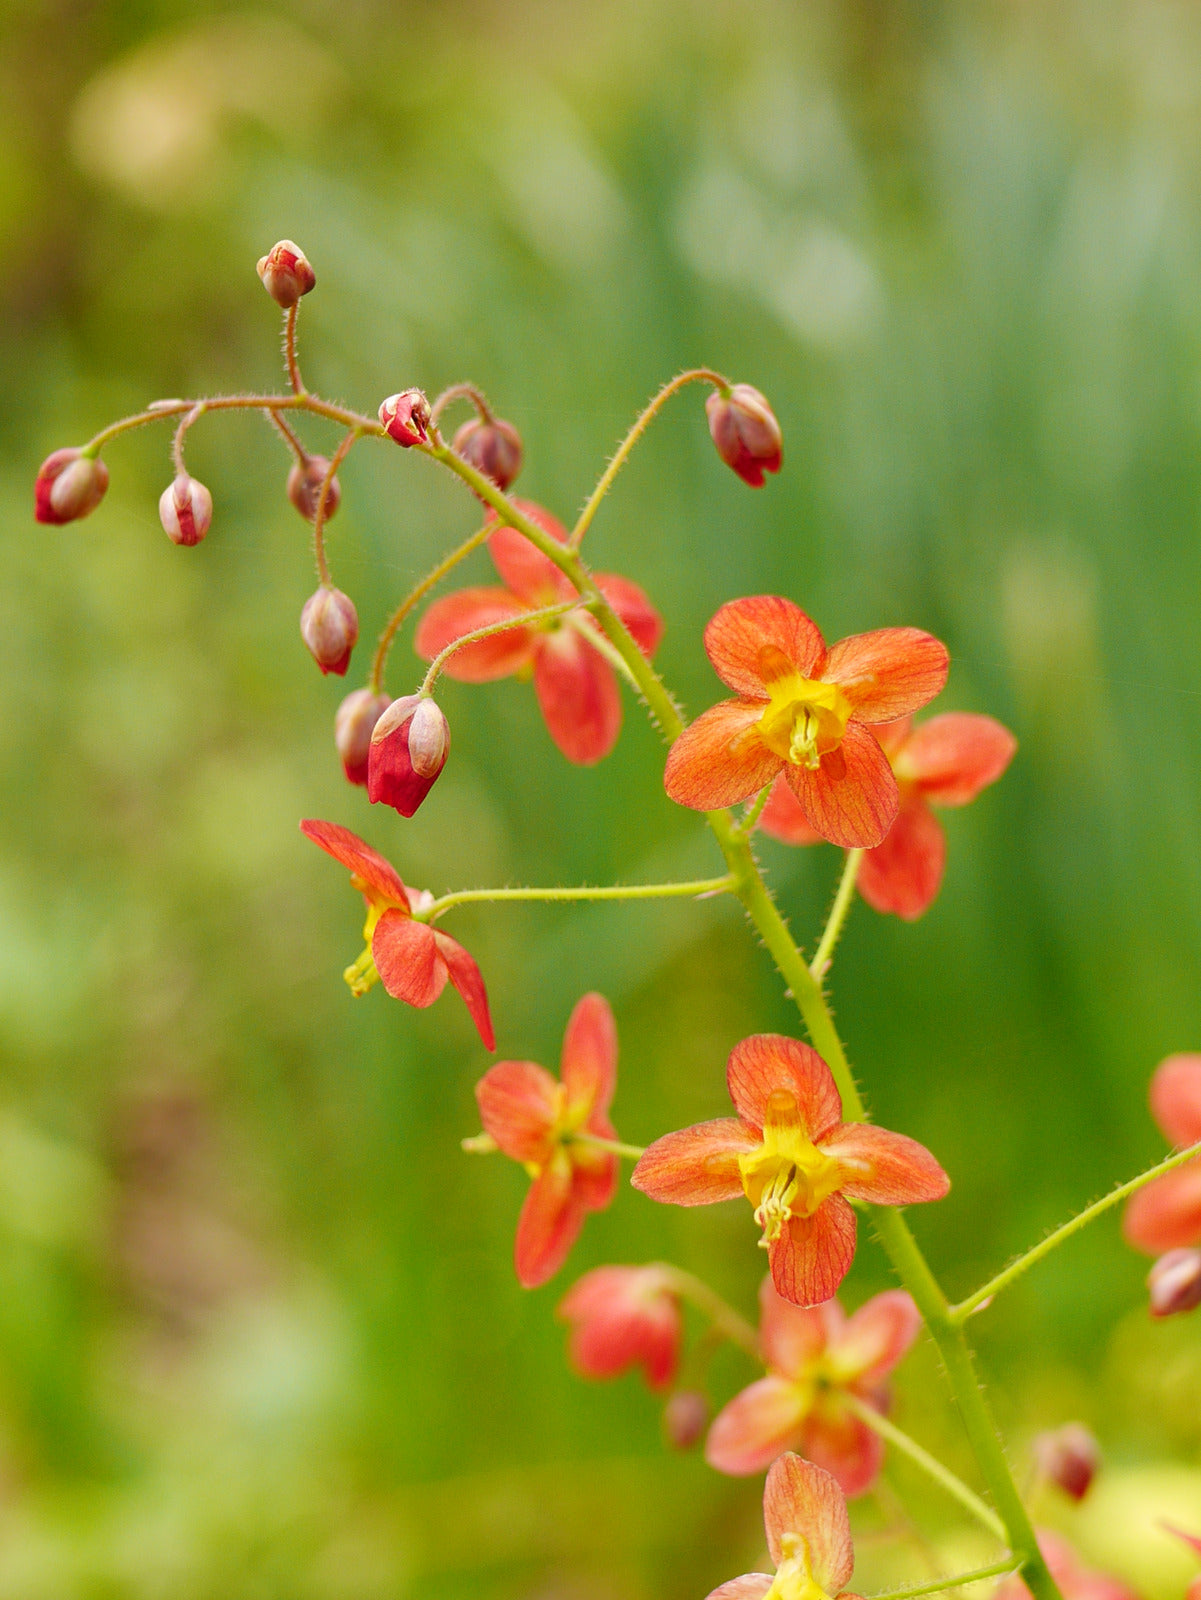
(820, 964)
(632, 891)
(747, 821)
(632, 1152)
(237, 402)
(461, 391)
(414, 597)
(523, 619)
(603, 647)
(937, 1585)
(710, 1304)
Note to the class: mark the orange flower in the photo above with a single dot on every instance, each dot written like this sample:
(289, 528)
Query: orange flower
(1166, 1215)
(807, 712)
(795, 1160)
(808, 1536)
(624, 1317)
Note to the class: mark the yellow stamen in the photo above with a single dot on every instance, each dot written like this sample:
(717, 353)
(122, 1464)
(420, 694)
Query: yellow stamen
(363, 974)
(794, 1578)
(805, 718)
(787, 1176)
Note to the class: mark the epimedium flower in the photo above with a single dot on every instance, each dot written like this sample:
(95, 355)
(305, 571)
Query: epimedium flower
(624, 1317)
(946, 761)
(808, 1537)
(546, 1123)
(789, 1152)
(576, 687)
(1166, 1215)
(814, 1356)
(805, 711)
(412, 960)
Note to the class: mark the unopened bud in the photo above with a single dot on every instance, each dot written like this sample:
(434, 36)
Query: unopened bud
(685, 1418)
(353, 725)
(492, 447)
(69, 485)
(286, 273)
(185, 510)
(1069, 1457)
(746, 432)
(304, 488)
(408, 750)
(1174, 1283)
(405, 417)
(329, 625)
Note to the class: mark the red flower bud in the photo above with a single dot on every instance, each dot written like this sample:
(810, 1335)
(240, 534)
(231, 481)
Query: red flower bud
(408, 750)
(185, 510)
(69, 486)
(286, 273)
(1175, 1282)
(685, 1418)
(304, 488)
(746, 432)
(1068, 1456)
(329, 625)
(493, 448)
(353, 725)
(405, 417)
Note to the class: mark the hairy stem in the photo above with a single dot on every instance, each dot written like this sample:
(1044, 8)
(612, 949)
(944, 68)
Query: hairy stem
(461, 391)
(289, 435)
(937, 1585)
(181, 433)
(340, 455)
(290, 360)
(523, 620)
(632, 891)
(839, 912)
(414, 598)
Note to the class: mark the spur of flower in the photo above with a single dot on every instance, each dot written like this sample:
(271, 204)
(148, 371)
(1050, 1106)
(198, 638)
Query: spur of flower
(1166, 1215)
(814, 1357)
(807, 712)
(552, 1126)
(412, 960)
(576, 687)
(790, 1153)
(624, 1317)
(808, 1538)
(946, 761)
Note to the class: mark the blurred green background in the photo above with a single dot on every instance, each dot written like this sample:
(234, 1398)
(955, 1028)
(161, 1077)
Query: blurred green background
(259, 1331)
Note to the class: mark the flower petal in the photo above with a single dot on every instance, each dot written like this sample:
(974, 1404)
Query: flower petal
(623, 1317)
(519, 1104)
(588, 1065)
(794, 1337)
(549, 1225)
(801, 1498)
(578, 695)
(460, 613)
(886, 1168)
(888, 672)
(955, 755)
(765, 1062)
(751, 1586)
(379, 875)
(696, 1166)
(851, 798)
(783, 818)
(760, 1423)
(635, 610)
(532, 576)
(903, 874)
(466, 976)
(406, 958)
(813, 1254)
(1166, 1215)
(737, 633)
(720, 759)
(874, 1339)
(595, 1170)
(846, 1447)
(1176, 1098)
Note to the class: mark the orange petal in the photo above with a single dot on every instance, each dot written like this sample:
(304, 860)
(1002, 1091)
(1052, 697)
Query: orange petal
(634, 609)
(549, 1225)
(1166, 1215)
(794, 1337)
(696, 1166)
(883, 1167)
(460, 613)
(803, 1499)
(765, 1062)
(406, 958)
(751, 1586)
(846, 1447)
(519, 1104)
(578, 695)
(720, 759)
(889, 672)
(531, 576)
(739, 630)
(588, 1065)
(903, 875)
(851, 799)
(1176, 1098)
(875, 1338)
(783, 818)
(468, 980)
(595, 1170)
(955, 755)
(756, 1426)
(346, 847)
(813, 1254)
(623, 1317)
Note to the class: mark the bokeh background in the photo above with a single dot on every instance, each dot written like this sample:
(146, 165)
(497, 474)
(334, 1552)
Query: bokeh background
(259, 1332)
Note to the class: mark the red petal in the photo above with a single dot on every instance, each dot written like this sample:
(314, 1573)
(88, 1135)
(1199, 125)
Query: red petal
(549, 1225)
(783, 818)
(526, 571)
(888, 672)
(1176, 1098)
(794, 1337)
(468, 980)
(953, 756)
(801, 1498)
(885, 1168)
(696, 1166)
(589, 1062)
(765, 1062)
(875, 1339)
(903, 874)
(737, 633)
(623, 1317)
(406, 957)
(720, 758)
(519, 1104)
(578, 695)
(852, 801)
(813, 1254)
(378, 875)
(846, 1447)
(460, 613)
(1166, 1215)
(751, 1586)
(756, 1426)
(634, 609)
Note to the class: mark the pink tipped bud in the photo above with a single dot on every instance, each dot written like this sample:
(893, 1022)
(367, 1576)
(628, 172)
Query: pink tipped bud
(185, 510)
(353, 726)
(408, 750)
(329, 625)
(493, 448)
(1068, 1456)
(406, 417)
(685, 1418)
(1174, 1283)
(746, 432)
(304, 488)
(286, 273)
(69, 485)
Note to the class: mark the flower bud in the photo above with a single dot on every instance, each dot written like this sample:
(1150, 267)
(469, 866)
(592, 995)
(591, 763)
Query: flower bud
(746, 432)
(492, 447)
(1068, 1456)
(304, 488)
(185, 509)
(405, 417)
(1174, 1282)
(286, 273)
(329, 625)
(69, 485)
(353, 725)
(408, 750)
(685, 1418)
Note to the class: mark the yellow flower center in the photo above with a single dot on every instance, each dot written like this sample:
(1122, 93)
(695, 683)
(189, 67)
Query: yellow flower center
(787, 1176)
(805, 718)
(363, 974)
(794, 1578)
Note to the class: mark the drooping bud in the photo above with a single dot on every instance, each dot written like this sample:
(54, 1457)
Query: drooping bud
(329, 626)
(69, 485)
(353, 725)
(685, 1418)
(1174, 1282)
(304, 488)
(405, 417)
(746, 432)
(185, 510)
(1069, 1457)
(286, 273)
(492, 447)
(408, 750)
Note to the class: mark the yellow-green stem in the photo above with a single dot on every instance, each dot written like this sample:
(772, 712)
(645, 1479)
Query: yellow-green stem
(524, 619)
(414, 598)
(938, 1585)
(710, 1304)
(631, 891)
(838, 915)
